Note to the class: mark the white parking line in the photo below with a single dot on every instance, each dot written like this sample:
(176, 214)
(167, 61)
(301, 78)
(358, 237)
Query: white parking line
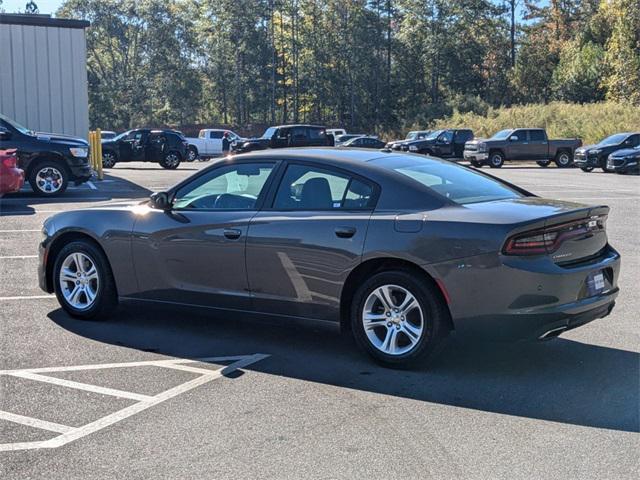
(34, 422)
(91, 185)
(17, 231)
(69, 434)
(80, 386)
(26, 297)
(17, 257)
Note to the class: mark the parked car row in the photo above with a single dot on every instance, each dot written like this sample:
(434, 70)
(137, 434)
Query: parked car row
(616, 153)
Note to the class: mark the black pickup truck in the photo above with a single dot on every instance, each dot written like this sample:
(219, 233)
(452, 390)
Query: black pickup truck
(521, 144)
(50, 161)
(441, 143)
(284, 136)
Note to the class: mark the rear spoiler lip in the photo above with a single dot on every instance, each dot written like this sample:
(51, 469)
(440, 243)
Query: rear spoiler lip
(558, 219)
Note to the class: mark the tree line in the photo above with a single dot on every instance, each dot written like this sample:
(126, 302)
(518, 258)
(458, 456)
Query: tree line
(368, 65)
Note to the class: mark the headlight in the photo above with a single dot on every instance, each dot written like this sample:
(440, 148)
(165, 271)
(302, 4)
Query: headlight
(79, 152)
(482, 147)
(413, 148)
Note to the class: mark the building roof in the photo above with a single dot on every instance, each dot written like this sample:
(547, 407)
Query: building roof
(41, 21)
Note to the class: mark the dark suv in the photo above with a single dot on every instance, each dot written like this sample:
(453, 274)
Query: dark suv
(441, 143)
(166, 147)
(284, 136)
(592, 156)
(50, 161)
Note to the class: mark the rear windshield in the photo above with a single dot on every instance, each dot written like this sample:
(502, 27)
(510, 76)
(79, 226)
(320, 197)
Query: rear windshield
(459, 184)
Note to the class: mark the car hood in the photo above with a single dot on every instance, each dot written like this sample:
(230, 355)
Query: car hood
(586, 148)
(626, 152)
(475, 141)
(62, 139)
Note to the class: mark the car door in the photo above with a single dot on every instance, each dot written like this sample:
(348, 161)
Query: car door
(132, 147)
(214, 142)
(301, 247)
(518, 145)
(444, 144)
(538, 145)
(195, 252)
(460, 138)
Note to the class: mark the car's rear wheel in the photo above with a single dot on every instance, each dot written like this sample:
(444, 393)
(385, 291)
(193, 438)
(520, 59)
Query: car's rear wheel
(108, 159)
(192, 154)
(170, 161)
(83, 281)
(586, 169)
(563, 160)
(496, 160)
(397, 318)
(544, 163)
(49, 178)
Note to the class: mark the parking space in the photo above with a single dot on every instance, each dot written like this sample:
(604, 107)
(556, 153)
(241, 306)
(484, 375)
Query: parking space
(168, 393)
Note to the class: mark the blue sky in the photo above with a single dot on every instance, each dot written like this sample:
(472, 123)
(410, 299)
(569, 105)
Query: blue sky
(45, 6)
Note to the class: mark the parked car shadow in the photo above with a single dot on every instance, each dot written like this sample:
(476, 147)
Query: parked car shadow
(561, 380)
(26, 201)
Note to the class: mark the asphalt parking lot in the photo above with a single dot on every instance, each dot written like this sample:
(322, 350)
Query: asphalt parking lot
(161, 393)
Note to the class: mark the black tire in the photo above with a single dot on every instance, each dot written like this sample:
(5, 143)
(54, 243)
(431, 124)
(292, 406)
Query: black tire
(109, 159)
(106, 299)
(171, 160)
(192, 154)
(544, 163)
(563, 159)
(496, 159)
(586, 169)
(434, 325)
(476, 164)
(49, 178)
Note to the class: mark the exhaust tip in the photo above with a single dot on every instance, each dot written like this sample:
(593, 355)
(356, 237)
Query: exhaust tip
(553, 333)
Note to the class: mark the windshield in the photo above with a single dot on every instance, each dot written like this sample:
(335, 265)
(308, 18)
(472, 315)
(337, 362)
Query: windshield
(459, 184)
(502, 135)
(269, 132)
(121, 136)
(17, 126)
(613, 139)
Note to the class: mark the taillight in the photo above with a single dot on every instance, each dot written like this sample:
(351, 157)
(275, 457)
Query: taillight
(548, 240)
(9, 161)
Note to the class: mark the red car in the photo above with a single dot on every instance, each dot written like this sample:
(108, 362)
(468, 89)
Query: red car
(11, 177)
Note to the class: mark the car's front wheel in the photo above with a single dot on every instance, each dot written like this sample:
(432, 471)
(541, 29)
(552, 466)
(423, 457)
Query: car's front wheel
(476, 163)
(496, 160)
(170, 161)
(49, 178)
(586, 169)
(543, 163)
(83, 281)
(397, 318)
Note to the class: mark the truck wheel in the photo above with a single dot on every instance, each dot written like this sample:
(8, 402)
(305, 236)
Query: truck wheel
(496, 160)
(108, 159)
(170, 161)
(586, 169)
(192, 154)
(49, 178)
(544, 163)
(563, 160)
(476, 163)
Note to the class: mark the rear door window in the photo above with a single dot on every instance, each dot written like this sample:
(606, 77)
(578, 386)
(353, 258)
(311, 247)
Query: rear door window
(536, 136)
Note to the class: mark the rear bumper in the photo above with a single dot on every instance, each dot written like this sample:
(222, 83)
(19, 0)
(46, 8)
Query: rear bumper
(11, 180)
(514, 299)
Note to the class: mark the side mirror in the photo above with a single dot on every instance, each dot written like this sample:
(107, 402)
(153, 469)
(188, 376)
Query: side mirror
(160, 201)
(513, 138)
(4, 134)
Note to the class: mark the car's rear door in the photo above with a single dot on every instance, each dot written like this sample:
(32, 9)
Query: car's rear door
(302, 246)
(195, 253)
(538, 145)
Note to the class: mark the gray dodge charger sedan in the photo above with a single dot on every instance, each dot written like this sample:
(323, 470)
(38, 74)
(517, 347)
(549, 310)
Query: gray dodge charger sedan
(398, 248)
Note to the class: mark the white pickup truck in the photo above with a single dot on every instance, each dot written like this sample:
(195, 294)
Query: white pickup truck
(209, 143)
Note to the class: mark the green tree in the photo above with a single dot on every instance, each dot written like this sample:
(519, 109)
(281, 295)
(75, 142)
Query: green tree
(579, 73)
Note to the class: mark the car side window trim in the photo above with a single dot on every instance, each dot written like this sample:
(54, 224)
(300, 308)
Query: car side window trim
(268, 204)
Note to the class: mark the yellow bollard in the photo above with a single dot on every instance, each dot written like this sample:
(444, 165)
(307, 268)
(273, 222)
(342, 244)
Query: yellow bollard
(99, 153)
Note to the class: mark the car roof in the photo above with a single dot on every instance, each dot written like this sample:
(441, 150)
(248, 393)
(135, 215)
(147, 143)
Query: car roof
(297, 125)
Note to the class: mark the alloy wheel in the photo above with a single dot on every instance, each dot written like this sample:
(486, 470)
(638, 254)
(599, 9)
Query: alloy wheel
(192, 155)
(49, 179)
(393, 320)
(564, 160)
(172, 160)
(79, 281)
(108, 160)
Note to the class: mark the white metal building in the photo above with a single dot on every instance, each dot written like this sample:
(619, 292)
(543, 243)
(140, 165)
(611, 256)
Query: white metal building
(43, 73)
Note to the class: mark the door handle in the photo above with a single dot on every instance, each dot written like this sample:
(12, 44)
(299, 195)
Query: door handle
(345, 232)
(232, 233)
